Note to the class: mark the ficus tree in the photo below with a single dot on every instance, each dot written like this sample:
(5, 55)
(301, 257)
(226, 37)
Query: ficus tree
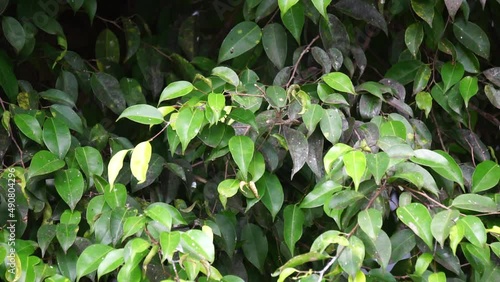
(251, 140)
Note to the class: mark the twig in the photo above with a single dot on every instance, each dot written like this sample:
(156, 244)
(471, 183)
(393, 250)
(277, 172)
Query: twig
(156, 135)
(11, 133)
(489, 117)
(296, 66)
(438, 132)
(109, 21)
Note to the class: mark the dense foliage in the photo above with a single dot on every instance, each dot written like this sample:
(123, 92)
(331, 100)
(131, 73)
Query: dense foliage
(250, 140)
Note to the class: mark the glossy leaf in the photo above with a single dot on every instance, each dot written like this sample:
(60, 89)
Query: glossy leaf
(66, 235)
(275, 44)
(294, 20)
(474, 230)
(297, 145)
(115, 165)
(243, 37)
(452, 171)
(116, 197)
(89, 160)
(169, 241)
(475, 202)
(56, 137)
(198, 244)
(472, 37)
(29, 126)
(402, 242)
(424, 9)
(370, 221)
(273, 197)
(107, 46)
(107, 89)
(143, 114)
(110, 262)
(8, 80)
(14, 33)
(485, 176)
(91, 258)
(352, 256)
(355, 166)
(160, 213)
(132, 37)
(318, 196)
(422, 77)
(68, 116)
(276, 96)
(175, 90)
(242, 149)
(331, 125)
(344, 198)
(340, 82)
(414, 35)
(424, 102)
(294, 219)
(254, 245)
(70, 186)
(442, 223)
(139, 161)
(493, 95)
(188, 125)
(321, 6)
(451, 74)
(404, 72)
(377, 165)
(417, 218)
(44, 162)
(468, 88)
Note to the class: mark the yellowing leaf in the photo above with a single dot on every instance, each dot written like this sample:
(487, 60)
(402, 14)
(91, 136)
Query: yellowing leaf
(115, 165)
(140, 160)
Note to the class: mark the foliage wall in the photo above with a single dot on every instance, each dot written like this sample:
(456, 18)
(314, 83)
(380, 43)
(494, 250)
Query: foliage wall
(250, 140)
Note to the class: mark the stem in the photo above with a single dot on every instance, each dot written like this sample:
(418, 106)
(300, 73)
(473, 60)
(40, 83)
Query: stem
(296, 66)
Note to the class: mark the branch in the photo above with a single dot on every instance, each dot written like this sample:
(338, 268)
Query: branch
(296, 66)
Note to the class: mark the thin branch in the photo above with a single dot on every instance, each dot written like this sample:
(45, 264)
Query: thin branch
(489, 117)
(296, 66)
(157, 134)
(11, 134)
(438, 132)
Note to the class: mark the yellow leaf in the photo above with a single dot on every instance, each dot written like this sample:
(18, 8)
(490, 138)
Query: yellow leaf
(140, 160)
(115, 165)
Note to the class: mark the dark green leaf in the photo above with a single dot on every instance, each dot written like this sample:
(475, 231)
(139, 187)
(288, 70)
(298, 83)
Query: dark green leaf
(243, 37)
(56, 137)
(70, 186)
(254, 245)
(68, 116)
(133, 38)
(44, 162)
(318, 196)
(107, 89)
(59, 97)
(297, 145)
(472, 37)
(294, 20)
(424, 9)
(294, 219)
(107, 47)
(275, 44)
(475, 202)
(417, 217)
(66, 235)
(90, 160)
(362, 10)
(8, 80)
(404, 72)
(273, 196)
(414, 35)
(29, 126)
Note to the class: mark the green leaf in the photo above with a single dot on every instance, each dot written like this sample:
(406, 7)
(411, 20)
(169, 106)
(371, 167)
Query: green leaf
(244, 116)
(377, 165)
(91, 258)
(226, 189)
(110, 262)
(405, 71)
(71, 217)
(243, 37)
(298, 147)
(275, 43)
(144, 114)
(59, 97)
(139, 161)
(370, 221)
(414, 35)
(355, 166)
(115, 165)
(273, 197)
(70, 186)
(422, 263)
(276, 96)
(417, 217)
(452, 171)
(416, 175)
(312, 117)
(45, 235)
(402, 242)
(242, 149)
(44, 162)
(90, 6)
(66, 235)
(254, 245)
(188, 125)
(89, 160)
(474, 230)
(424, 9)
(257, 166)
(421, 79)
(318, 196)
(160, 212)
(468, 88)
(472, 37)
(298, 260)
(198, 244)
(424, 102)
(285, 5)
(442, 223)
(333, 154)
(294, 20)
(107, 89)
(14, 33)
(132, 225)
(475, 202)
(107, 47)
(8, 80)
(451, 73)
(485, 176)
(429, 158)
(321, 6)
(68, 116)
(227, 74)
(331, 125)
(132, 37)
(393, 128)
(169, 241)
(351, 257)
(340, 82)
(216, 102)
(29, 126)
(493, 95)
(294, 219)
(175, 90)
(116, 197)
(132, 91)
(344, 198)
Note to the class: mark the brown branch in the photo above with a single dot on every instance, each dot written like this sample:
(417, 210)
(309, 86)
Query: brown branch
(489, 117)
(296, 66)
